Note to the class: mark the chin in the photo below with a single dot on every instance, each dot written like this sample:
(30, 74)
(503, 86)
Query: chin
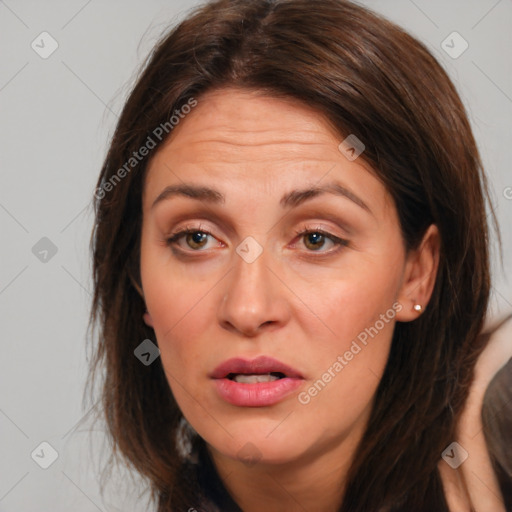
(256, 446)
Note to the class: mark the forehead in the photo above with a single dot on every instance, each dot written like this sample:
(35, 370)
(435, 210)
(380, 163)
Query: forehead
(259, 142)
(227, 124)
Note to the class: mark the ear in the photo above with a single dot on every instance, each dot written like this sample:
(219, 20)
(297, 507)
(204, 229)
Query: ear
(147, 319)
(419, 276)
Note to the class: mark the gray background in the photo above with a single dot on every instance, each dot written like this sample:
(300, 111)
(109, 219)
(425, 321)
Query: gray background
(57, 116)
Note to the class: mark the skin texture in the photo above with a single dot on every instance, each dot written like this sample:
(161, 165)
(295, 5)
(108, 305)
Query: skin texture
(301, 301)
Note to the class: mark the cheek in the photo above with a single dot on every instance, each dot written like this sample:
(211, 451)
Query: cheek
(178, 316)
(168, 299)
(350, 356)
(352, 303)
(348, 366)
(180, 321)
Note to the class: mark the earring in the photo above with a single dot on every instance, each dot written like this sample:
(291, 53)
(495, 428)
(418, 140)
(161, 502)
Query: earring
(417, 307)
(185, 435)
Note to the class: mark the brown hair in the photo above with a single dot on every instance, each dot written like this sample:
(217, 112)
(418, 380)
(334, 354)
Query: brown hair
(370, 78)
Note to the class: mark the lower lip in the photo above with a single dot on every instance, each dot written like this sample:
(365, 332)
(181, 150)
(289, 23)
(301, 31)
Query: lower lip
(258, 394)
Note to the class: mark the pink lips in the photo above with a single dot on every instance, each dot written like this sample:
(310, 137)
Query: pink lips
(258, 394)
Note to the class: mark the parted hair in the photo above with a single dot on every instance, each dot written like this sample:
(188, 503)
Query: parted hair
(367, 77)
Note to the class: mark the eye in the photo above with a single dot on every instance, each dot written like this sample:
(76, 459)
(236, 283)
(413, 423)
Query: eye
(195, 238)
(315, 239)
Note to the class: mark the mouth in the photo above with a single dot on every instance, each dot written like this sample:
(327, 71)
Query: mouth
(255, 377)
(263, 367)
(264, 381)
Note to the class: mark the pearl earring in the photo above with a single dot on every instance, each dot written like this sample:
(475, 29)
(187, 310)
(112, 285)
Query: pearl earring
(417, 307)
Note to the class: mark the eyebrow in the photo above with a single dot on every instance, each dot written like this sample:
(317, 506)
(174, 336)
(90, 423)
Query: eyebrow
(289, 200)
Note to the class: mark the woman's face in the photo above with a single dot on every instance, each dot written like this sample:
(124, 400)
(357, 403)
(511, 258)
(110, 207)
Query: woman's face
(312, 280)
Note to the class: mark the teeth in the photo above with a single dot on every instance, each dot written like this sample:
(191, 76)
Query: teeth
(252, 379)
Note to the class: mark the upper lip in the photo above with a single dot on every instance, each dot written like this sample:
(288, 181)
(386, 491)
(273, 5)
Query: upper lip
(259, 365)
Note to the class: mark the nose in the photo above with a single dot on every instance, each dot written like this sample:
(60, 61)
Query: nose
(254, 298)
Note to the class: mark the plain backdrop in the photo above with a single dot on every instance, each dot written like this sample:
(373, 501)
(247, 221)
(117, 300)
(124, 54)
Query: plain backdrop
(56, 119)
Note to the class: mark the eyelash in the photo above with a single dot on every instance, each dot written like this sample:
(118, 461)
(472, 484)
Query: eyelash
(339, 242)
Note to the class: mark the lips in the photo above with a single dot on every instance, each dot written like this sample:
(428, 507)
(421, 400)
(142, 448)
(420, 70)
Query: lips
(260, 366)
(264, 381)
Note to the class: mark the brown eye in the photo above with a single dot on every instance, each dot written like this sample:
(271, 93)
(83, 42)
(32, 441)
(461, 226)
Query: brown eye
(195, 239)
(314, 240)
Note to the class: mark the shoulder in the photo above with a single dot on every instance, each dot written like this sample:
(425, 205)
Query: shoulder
(474, 485)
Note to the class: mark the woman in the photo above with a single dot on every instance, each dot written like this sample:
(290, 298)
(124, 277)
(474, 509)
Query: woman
(292, 209)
